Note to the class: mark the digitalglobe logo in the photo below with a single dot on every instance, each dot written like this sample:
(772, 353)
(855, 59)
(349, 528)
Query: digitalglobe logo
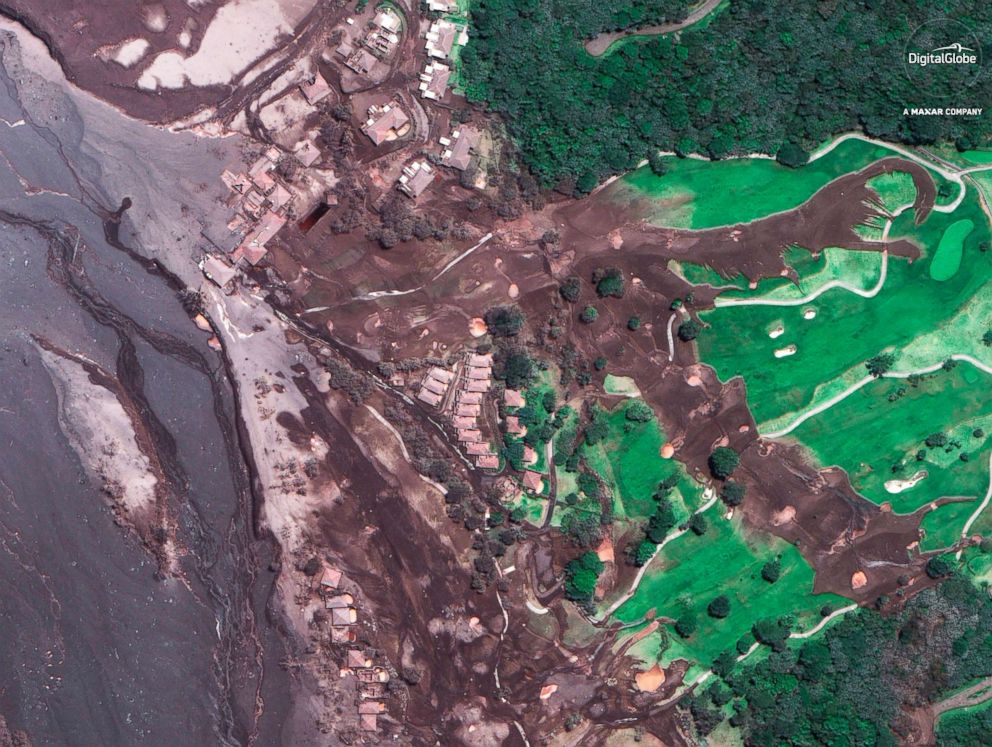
(942, 57)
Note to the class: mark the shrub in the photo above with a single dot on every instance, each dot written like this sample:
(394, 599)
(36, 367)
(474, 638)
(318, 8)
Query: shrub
(656, 162)
(589, 315)
(936, 440)
(642, 552)
(940, 566)
(685, 626)
(638, 411)
(633, 324)
(571, 289)
(698, 525)
(600, 363)
(723, 461)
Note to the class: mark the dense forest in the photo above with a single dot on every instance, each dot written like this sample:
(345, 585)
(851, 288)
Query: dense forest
(858, 683)
(755, 77)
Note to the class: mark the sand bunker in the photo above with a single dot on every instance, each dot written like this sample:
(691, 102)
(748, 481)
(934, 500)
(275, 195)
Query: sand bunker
(513, 291)
(777, 332)
(786, 351)
(548, 690)
(694, 381)
(859, 580)
(809, 313)
(130, 52)
(898, 486)
(477, 327)
(650, 680)
(667, 451)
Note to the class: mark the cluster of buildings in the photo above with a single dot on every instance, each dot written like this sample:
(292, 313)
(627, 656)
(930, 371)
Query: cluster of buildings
(382, 35)
(261, 200)
(459, 394)
(371, 679)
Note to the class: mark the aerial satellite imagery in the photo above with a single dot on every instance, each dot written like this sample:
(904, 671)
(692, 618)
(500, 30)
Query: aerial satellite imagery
(497, 373)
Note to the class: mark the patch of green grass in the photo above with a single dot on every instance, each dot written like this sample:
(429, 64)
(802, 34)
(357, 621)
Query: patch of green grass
(691, 571)
(895, 189)
(621, 385)
(947, 259)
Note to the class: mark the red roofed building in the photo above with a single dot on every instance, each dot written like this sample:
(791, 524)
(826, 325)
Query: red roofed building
(513, 426)
(469, 410)
(470, 398)
(533, 481)
(487, 461)
(469, 435)
(513, 398)
(478, 448)
(478, 385)
(530, 456)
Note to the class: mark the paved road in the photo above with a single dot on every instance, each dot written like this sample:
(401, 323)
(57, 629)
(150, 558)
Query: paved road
(599, 44)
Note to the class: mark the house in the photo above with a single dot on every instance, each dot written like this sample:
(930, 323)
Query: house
(487, 461)
(478, 386)
(442, 6)
(463, 422)
(307, 153)
(389, 123)
(433, 385)
(480, 361)
(388, 21)
(434, 400)
(356, 659)
(344, 616)
(513, 398)
(371, 706)
(530, 456)
(343, 635)
(315, 90)
(469, 398)
(330, 579)
(514, 427)
(218, 270)
(361, 61)
(416, 178)
(253, 246)
(339, 601)
(478, 448)
(469, 435)
(479, 374)
(372, 690)
(280, 197)
(441, 38)
(463, 142)
(434, 81)
(442, 374)
(369, 722)
(469, 410)
(533, 481)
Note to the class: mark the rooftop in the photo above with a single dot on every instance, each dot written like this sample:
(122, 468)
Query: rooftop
(316, 89)
(513, 398)
(416, 178)
(463, 142)
(533, 481)
(388, 126)
(434, 81)
(487, 461)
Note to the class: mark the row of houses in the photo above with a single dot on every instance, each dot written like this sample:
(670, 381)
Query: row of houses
(475, 381)
(371, 678)
(261, 200)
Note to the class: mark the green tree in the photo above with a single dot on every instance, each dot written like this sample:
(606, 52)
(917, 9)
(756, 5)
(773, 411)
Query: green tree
(723, 461)
(940, 566)
(570, 289)
(609, 282)
(656, 162)
(581, 575)
(504, 321)
(732, 493)
(600, 363)
(589, 315)
(792, 155)
(689, 330)
(638, 411)
(698, 525)
(634, 324)
(719, 607)
(880, 364)
(771, 571)
(642, 552)
(685, 626)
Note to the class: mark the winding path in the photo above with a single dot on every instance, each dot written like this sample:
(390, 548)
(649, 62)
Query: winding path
(602, 42)
(978, 511)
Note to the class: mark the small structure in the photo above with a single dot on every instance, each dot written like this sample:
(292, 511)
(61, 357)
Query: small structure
(361, 60)
(433, 385)
(460, 422)
(513, 398)
(369, 722)
(478, 448)
(434, 81)
(480, 361)
(330, 579)
(487, 461)
(470, 398)
(442, 374)
(218, 270)
(388, 21)
(344, 616)
(315, 90)
(530, 456)
(470, 435)
(338, 602)
(442, 6)
(479, 386)
(356, 659)
(253, 246)
(416, 178)
(306, 152)
(441, 38)
(469, 410)
(480, 374)
(385, 124)
(533, 481)
(463, 142)
(371, 706)
(341, 634)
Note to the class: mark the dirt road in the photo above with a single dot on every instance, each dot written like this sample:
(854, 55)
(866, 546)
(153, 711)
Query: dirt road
(599, 44)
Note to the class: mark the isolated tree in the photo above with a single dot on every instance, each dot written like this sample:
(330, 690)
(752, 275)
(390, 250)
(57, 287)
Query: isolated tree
(685, 626)
(698, 525)
(771, 571)
(657, 164)
(723, 461)
(732, 493)
(600, 363)
(570, 289)
(609, 282)
(880, 364)
(642, 552)
(936, 440)
(589, 314)
(792, 155)
(719, 607)
(634, 324)
(504, 321)
(987, 338)
(638, 411)
(689, 330)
